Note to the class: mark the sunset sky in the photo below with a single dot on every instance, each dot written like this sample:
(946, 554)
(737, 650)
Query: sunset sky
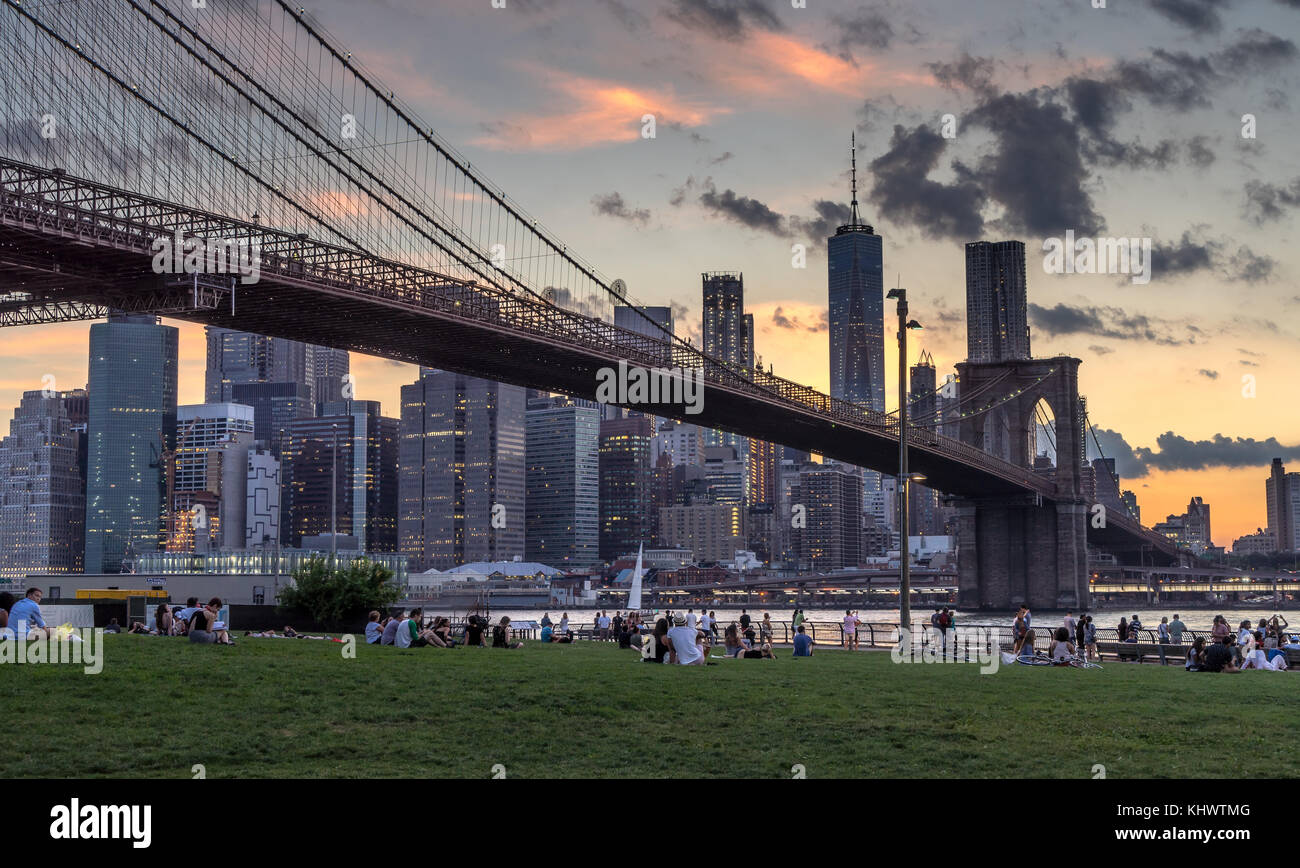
(1123, 121)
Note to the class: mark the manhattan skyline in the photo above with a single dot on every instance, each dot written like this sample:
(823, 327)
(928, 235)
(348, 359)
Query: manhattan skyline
(753, 117)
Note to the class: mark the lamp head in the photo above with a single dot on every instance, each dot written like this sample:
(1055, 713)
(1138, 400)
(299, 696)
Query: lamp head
(913, 324)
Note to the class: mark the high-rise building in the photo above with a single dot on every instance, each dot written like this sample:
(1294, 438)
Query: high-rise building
(682, 442)
(713, 532)
(625, 485)
(462, 471)
(726, 475)
(262, 503)
(1108, 485)
(1130, 501)
(832, 497)
(330, 375)
(923, 513)
(275, 405)
(236, 357)
(634, 319)
(360, 445)
(562, 503)
(997, 309)
(1197, 521)
(1282, 492)
(209, 476)
(43, 486)
(855, 283)
(130, 426)
(728, 336)
(761, 467)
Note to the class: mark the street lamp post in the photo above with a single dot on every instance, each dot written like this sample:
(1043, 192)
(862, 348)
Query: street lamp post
(334, 501)
(904, 559)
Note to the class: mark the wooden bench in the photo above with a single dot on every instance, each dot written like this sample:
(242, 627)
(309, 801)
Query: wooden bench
(1140, 651)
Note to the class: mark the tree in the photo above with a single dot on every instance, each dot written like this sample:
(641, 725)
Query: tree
(332, 596)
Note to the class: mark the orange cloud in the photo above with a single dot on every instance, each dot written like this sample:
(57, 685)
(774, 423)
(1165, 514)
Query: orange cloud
(595, 112)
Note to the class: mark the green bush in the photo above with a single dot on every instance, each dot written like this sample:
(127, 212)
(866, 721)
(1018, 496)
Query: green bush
(332, 596)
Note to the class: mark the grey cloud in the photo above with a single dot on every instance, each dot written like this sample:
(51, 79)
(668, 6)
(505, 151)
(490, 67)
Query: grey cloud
(1208, 374)
(1267, 202)
(1198, 16)
(728, 20)
(741, 209)
(902, 188)
(1104, 322)
(612, 205)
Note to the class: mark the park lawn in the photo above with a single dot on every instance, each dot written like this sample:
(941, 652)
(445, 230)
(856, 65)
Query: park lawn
(298, 708)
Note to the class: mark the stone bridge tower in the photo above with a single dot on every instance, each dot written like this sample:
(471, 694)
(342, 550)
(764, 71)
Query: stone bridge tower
(1027, 548)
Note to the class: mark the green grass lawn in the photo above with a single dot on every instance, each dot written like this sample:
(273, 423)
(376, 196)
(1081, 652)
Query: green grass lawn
(297, 708)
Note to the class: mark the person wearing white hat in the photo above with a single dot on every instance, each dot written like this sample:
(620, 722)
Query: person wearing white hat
(685, 644)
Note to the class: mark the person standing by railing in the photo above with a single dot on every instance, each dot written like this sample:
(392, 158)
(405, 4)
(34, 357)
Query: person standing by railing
(850, 630)
(765, 629)
(1176, 630)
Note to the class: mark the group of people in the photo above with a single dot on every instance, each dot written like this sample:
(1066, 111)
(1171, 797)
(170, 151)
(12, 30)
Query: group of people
(202, 624)
(408, 630)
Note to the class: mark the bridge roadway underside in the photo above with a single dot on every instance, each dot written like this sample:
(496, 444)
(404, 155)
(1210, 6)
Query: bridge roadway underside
(406, 332)
(69, 269)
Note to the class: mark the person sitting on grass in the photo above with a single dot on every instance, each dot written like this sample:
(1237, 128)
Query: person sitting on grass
(1258, 658)
(501, 635)
(390, 630)
(474, 629)
(732, 643)
(442, 629)
(1061, 650)
(1196, 657)
(1219, 657)
(25, 615)
(1026, 651)
(374, 630)
(803, 643)
(547, 633)
(684, 644)
(163, 620)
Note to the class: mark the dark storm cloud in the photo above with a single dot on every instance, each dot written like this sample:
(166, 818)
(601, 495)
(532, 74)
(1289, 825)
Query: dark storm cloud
(1255, 51)
(728, 20)
(612, 205)
(1248, 267)
(829, 216)
(1103, 322)
(1175, 452)
(967, 72)
(1266, 202)
(865, 29)
(1199, 153)
(902, 189)
(1036, 169)
(631, 19)
(741, 209)
(1198, 16)
(1182, 256)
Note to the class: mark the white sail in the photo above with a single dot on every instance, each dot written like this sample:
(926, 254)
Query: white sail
(634, 595)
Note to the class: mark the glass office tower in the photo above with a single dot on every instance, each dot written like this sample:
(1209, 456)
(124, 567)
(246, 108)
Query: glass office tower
(131, 423)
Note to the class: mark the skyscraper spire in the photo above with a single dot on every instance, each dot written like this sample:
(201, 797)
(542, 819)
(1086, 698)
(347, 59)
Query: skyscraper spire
(853, 173)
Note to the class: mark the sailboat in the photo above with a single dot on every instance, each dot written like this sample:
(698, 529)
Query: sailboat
(634, 594)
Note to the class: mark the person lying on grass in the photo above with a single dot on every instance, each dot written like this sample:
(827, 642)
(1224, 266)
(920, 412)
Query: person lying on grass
(762, 653)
